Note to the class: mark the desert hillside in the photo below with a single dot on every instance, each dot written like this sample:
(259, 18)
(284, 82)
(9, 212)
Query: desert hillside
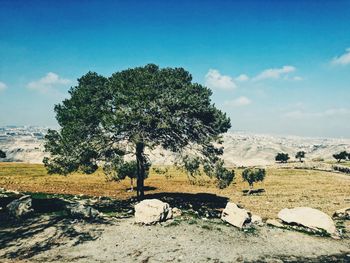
(25, 144)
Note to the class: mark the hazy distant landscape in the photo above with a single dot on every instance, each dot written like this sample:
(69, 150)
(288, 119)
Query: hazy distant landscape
(25, 144)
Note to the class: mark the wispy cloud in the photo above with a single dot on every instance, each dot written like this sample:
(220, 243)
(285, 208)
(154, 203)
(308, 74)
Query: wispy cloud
(48, 83)
(333, 112)
(242, 78)
(343, 59)
(274, 73)
(3, 86)
(214, 80)
(239, 102)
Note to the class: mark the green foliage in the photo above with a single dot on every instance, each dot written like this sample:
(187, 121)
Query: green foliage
(223, 175)
(300, 155)
(282, 157)
(2, 154)
(253, 175)
(191, 165)
(341, 156)
(106, 118)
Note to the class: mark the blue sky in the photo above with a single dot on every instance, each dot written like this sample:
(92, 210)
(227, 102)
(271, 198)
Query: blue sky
(280, 67)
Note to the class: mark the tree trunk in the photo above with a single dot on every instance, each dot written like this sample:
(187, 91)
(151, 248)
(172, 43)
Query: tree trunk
(131, 184)
(140, 146)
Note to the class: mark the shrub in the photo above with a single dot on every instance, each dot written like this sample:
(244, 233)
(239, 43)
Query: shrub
(341, 156)
(2, 154)
(282, 157)
(300, 155)
(342, 169)
(253, 175)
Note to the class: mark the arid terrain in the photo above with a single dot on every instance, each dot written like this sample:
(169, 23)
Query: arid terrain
(197, 236)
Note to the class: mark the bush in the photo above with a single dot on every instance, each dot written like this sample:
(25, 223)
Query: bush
(342, 169)
(2, 154)
(253, 175)
(341, 156)
(282, 157)
(224, 176)
(300, 155)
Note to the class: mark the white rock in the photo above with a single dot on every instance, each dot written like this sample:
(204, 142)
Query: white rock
(20, 207)
(234, 215)
(151, 211)
(308, 217)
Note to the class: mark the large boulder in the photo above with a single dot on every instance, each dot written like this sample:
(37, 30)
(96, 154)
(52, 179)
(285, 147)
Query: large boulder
(235, 216)
(308, 217)
(151, 211)
(77, 210)
(20, 207)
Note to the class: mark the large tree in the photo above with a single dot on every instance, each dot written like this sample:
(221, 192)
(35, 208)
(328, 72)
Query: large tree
(106, 119)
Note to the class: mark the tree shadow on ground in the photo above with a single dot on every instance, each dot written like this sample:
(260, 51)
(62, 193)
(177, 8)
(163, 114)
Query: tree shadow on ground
(204, 204)
(22, 239)
(51, 227)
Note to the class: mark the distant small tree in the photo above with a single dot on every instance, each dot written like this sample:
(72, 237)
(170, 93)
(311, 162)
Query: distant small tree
(253, 175)
(2, 154)
(340, 156)
(300, 155)
(282, 157)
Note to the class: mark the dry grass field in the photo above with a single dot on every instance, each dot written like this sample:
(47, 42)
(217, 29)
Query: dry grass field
(284, 187)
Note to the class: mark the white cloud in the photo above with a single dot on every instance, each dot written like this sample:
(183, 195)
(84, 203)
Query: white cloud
(297, 78)
(333, 112)
(274, 73)
(343, 59)
(239, 102)
(48, 83)
(214, 80)
(242, 78)
(3, 86)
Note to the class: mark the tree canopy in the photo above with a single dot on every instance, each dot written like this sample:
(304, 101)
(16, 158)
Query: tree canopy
(106, 119)
(282, 157)
(340, 156)
(253, 175)
(300, 155)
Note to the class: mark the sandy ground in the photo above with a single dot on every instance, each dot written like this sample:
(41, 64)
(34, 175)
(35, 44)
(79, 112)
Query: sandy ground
(53, 239)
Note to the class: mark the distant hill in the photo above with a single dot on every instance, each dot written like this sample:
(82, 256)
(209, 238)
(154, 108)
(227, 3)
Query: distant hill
(241, 149)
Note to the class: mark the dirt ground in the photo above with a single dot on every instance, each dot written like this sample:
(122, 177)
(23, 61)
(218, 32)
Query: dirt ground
(55, 239)
(283, 187)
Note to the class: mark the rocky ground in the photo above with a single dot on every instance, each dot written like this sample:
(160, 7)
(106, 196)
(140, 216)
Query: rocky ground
(57, 239)
(50, 233)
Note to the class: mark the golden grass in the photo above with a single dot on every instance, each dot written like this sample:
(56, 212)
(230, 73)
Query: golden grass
(284, 187)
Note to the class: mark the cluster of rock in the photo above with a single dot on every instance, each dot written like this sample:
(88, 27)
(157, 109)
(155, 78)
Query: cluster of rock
(152, 211)
(306, 217)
